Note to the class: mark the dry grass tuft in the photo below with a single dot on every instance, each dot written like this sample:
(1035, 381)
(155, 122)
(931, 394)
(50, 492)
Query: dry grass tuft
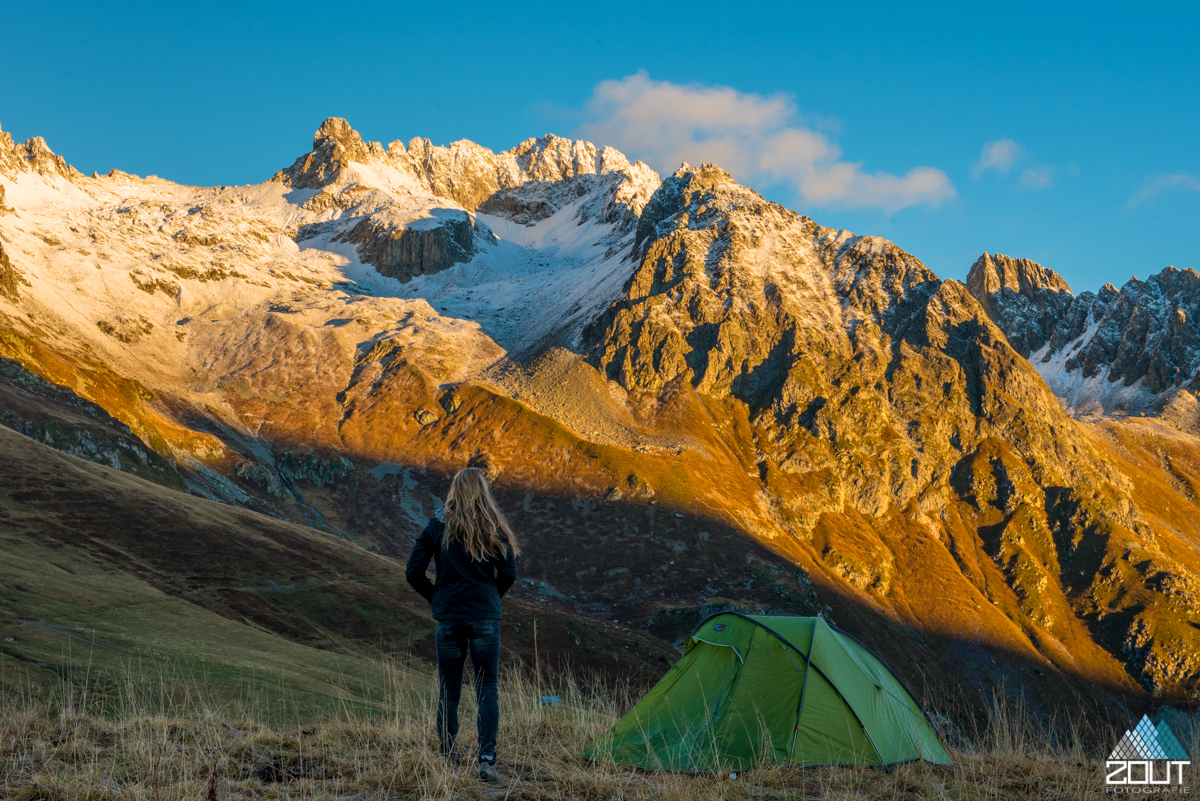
(179, 745)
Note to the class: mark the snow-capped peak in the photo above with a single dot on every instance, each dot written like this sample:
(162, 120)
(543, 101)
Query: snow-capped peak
(33, 155)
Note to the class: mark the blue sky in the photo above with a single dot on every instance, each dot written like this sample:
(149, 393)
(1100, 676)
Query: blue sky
(872, 117)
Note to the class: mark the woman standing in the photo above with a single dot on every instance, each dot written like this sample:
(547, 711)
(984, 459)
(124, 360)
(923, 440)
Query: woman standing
(475, 555)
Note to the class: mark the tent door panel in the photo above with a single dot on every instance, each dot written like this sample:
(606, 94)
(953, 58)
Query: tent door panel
(829, 732)
(756, 724)
(662, 731)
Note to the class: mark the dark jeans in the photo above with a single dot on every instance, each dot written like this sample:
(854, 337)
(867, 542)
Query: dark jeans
(454, 640)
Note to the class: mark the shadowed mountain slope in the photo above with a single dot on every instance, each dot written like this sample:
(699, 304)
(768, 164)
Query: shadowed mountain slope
(102, 559)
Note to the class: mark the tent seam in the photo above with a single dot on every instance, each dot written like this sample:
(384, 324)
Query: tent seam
(803, 690)
(903, 686)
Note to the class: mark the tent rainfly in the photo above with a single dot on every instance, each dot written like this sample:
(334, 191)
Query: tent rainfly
(755, 690)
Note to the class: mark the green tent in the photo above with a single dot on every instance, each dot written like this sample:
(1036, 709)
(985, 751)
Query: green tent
(752, 690)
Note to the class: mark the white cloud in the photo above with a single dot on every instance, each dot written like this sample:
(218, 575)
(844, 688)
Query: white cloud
(754, 137)
(1163, 183)
(999, 155)
(1037, 177)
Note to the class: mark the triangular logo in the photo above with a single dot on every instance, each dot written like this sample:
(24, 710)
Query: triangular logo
(1148, 741)
(1145, 737)
(1125, 749)
(1168, 743)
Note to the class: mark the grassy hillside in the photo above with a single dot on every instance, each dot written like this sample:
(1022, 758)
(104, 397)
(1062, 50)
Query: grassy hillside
(108, 574)
(105, 574)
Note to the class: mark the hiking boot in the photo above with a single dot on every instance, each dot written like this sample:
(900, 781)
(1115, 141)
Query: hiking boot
(488, 772)
(452, 759)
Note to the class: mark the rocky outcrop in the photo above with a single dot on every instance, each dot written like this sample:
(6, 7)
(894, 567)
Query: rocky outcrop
(125, 327)
(463, 172)
(1149, 329)
(530, 182)
(1087, 308)
(610, 199)
(335, 145)
(537, 179)
(675, 319)
(312, 468)
(400, 241)
(10, 277)
(404, 252)
(33, 155)
(1022, 297)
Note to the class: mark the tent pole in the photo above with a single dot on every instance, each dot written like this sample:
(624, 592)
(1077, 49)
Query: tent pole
(803, 690)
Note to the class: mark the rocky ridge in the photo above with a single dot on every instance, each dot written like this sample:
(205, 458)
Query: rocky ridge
(32, 155)
(531, 182)
(828, 339)
(1128, 351)
(10, 278)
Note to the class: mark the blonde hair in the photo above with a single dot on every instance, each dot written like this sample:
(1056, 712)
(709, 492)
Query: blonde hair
(474, 520)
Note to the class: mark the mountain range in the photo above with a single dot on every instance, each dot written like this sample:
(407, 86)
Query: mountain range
(688, 397)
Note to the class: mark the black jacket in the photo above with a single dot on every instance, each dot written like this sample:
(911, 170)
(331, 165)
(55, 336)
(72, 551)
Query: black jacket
(465, 589)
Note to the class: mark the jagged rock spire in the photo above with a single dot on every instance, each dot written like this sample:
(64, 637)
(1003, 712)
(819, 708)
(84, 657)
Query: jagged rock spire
(1025, 299)
(335, 145)
(34, 155)
(989, 274)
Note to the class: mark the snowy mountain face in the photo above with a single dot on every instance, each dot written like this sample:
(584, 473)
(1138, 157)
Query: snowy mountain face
(691, 398)
(565, 212)
(353, 217)
(1133, 350)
